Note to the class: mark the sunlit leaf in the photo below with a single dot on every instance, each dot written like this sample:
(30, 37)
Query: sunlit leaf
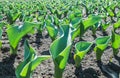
(81, 49)
(101, 45)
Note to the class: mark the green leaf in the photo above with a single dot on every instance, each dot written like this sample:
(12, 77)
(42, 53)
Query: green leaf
(117, 24)
(52, 30)
(1, 17)
(75, 32)
(28, 18)
(31, 61)
(115, 43)
(19, 69)
(12, 17)
(2, 24)
(75, 22)
(15, 33)
(38, 60)
(110, 12)
(25, 70)
(0, 44)
(81, 49)
(105, 26)
(60, 51)
(28, 54)
(1, 33)
(118, 14)
(71, 16)
(91, 20)
(101, 45)
(56, 20)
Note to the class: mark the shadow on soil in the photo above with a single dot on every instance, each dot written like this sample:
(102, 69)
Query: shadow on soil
(87, 73)
(45, 52)
(118, 59)
(110, 70)
(7, 69)
(38, 39)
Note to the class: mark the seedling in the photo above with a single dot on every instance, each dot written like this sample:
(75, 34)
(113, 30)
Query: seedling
(82, 48)
(115, 43)
(31, 61)
(101, 45)
(60, 49)
(15, 33)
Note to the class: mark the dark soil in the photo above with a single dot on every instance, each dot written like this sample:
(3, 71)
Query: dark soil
(90, 68)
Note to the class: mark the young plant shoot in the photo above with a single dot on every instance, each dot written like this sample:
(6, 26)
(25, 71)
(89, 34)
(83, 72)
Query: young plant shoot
(31, 61)
(60, 49)
(115, 43)
(101, 45)
(81, 49)
(15, 34)
(89, 22)
(52, 29)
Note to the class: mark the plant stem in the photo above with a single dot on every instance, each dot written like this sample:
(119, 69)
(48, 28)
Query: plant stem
(13, 51)
(58, 72)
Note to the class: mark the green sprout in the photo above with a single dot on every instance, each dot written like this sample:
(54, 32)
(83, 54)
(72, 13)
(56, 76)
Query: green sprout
(101, 45)
(82, 48)
(31, 61)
